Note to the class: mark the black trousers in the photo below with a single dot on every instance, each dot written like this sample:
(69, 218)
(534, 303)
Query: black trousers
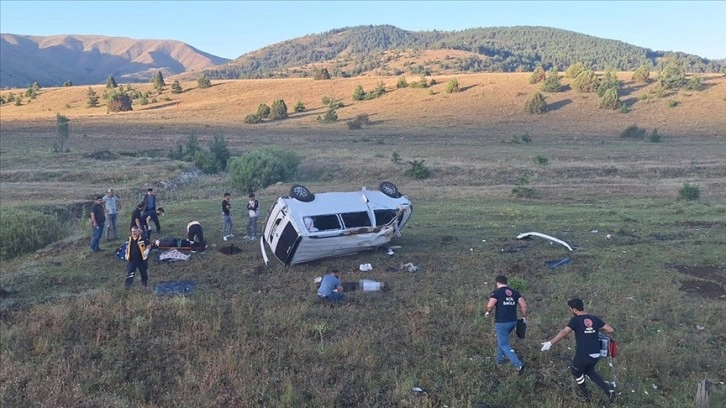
(585, 366)
(131, 268)
(196, 234)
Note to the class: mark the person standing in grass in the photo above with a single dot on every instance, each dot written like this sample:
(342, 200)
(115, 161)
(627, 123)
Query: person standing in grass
(227, 224)
(111, 203)
(149, 199)
(137, 252)
(98, 219)
(505, 300)
(253, 210)
(587, 351)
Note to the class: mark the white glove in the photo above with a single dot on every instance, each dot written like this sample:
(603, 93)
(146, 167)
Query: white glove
(486, 314)
(546, 345)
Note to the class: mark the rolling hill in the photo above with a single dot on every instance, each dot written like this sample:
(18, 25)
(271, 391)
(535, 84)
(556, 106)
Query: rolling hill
(90, 59)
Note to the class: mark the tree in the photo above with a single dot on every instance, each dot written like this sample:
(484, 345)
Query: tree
(358, 93)
(642, 74)
(574, 70)
(552, 83)
(673, 75)
(538, 75)
(220, 150)
(263, 167)
(62, 131)
(610, 99)
(263, 110)
(278, 110)
(536, 104)
(92, 98)
(68, 83)
(119, 102)
(321, 74)
(158, 81)
(36, 86)
(452, 86)
(607, 82)
(299, 107)
(111, 82)
(203, 82)
(176, 87)
(586, 81)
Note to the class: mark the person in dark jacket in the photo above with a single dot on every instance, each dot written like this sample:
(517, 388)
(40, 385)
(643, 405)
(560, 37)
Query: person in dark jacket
(137, 252)
(195, 235)
(98, 219)
(506, 300)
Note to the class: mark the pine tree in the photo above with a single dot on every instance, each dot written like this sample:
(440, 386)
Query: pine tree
(158, 81)
(111, 82)
(92, 98)
(176, 87)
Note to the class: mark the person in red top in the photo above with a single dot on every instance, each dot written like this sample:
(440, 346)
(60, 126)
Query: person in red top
(587, 351)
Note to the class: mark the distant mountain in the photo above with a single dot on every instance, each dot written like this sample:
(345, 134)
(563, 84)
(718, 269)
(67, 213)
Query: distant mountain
(90, 59)
(353, 51)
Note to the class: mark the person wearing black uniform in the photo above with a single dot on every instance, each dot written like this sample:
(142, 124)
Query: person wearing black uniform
(587, 346)
(137, 252)
(505, 300)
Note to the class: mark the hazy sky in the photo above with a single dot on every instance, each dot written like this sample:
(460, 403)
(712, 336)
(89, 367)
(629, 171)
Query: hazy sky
(231, 28)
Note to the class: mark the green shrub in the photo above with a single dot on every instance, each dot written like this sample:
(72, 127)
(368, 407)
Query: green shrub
(23, 231)
(517, 284)
(119, 102)
(642, 74)
(654, 136)
(263, 110)
(263, 167)
(538, 75)
(575, 69)
(452, 86)
(203, 82)
(418, 170)
(401, 83)
(607, 82)
(586, 81)
(359, 121)
(689, 192)
(321, 74)
(176, 87)
(329, 116)
(299, 107)
(253, 118)
(552, 82)
(694, 84)
(541, 160)
(672, 103)
(278, 110)
(358, 93)
(633, 132)
(395, 157)
(610, 99)
(536, 104)
(673, 75)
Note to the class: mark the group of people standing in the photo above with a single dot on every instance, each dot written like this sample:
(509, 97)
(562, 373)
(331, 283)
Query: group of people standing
(504, 301)
(104, 219)
(253, 213)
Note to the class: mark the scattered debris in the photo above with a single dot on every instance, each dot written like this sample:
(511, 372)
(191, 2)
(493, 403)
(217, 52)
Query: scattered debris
(365, 267)
(541, 235)
(418, 390)
(390, 252)
(698, 327)
(410, 267)
(608, 236)
(556, 263)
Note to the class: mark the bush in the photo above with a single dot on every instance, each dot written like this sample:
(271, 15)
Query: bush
(401, 83)
(176, 87)
(263, 110)
(119, 102)
(541, 160)
(358, 93)
(654, 136)
(633, 132)
(672, 103)
(299, 107)
(536, 104)
(586, 81)
(418, 170)
(321, 74)
(642, 74)
(689, 192)
(395, 157)
(609, 81)
(26, 231)
(694, 84)
(278, 110)
(253, 118)
(672, 76)
(263, 167)
(538, 75)
(575, 69)
(610, 99)
(359, 121)
(330, 116)
(452, 86)
(552, 82)
(203, 82)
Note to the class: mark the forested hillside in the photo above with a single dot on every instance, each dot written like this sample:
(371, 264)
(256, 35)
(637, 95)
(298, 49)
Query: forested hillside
(352, 51)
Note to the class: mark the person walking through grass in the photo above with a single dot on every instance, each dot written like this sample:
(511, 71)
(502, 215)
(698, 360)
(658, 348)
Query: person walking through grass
(112, 205)
(504, 300)
(253, 210)
(227, 225)
(137, 252)
(98, 219)
(587, 347)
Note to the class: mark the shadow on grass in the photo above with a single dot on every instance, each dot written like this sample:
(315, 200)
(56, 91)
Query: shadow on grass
(558, 105)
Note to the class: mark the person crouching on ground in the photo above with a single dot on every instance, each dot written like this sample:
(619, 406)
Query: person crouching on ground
(331, 289)
(195, 235)
(137, 252)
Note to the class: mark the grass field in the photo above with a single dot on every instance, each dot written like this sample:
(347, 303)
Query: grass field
(248, 335)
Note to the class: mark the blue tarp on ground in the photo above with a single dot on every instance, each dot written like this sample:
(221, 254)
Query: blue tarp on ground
(174, 288)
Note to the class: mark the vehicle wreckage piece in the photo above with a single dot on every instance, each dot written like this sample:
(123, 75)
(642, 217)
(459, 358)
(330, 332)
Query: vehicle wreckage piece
(545, 236)
(305, 227)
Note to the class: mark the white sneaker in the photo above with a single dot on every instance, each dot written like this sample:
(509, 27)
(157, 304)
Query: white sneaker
(224, 238)
(247, 237)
